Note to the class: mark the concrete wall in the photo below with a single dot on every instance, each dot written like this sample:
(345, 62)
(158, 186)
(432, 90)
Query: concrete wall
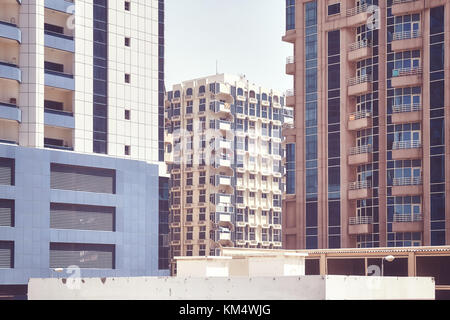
(238, 288)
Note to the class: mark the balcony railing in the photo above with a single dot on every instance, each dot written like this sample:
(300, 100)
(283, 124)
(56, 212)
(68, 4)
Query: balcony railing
(402, 1)
(407, 181)
(360, 115)
(407, 217)
(406, 72)
(405, 35)
(357, 185)
(406, 108)
(59, 35)
(59, 112)
(359, 45)
(290, 60)
(359, 80)
(360, 220)
(400, 145)
(361, 150)
(357, 10)
(290, 93)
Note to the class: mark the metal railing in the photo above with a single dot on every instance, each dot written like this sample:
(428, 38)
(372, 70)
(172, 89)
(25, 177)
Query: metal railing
(360, 44)
(402, 1)
(400, 145)
(359, 115)
(407, 181)
(361, 150)
(357, 10)
(406, 72)
(290, 93)
(357, 185)
(412, 34)
(358, 80)
(407, 217)
(290, 60)
(360, 220)
(406, 108)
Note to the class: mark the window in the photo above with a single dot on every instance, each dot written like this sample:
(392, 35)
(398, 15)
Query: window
(202, 233)
(127, 5)
(127, 78)
(127, 42)
(189, 233)
(189, 195)
(202, 105)
(127, 114)
(334, 9)
(202, 250)
(189, 179)
(189, 214)
(202, 214)
(290, 14)
(127, 150)
(189, 249)
(86, 256)
(6, 213)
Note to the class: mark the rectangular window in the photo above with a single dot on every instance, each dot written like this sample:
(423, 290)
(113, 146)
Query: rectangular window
(86, 179)
(82, 217)
(334, 9)
(127, 42)
(85, 256)
(127, 114)
(127, 5)
(127, 78)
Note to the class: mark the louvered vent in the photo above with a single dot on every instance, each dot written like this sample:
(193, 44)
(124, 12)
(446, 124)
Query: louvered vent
(85, 256)
(66, 177)
(81, 217)
(6, 213)
(6, 254)
(6, 171)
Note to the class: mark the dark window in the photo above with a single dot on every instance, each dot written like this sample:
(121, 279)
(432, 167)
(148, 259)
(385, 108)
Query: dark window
(127, 114)
(127, 5)
(54, 105)
(6, 254)
(334, 9)
(127, 78)
(6, 213)
(51, 66)
(53, 28)
(127, 41)
(127, 150)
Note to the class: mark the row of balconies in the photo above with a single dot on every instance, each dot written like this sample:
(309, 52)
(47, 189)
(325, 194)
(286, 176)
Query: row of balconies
(401, 223)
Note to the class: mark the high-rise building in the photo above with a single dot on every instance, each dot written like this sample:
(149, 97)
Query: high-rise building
(370, 145)
(81, 137)
(225, 152)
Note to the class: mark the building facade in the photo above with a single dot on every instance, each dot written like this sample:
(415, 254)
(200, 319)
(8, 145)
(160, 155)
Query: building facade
(225, 155)
(371, 101)
(81, 137)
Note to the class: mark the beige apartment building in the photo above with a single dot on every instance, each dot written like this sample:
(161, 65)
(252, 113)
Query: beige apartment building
(371, 100)
(225, 154)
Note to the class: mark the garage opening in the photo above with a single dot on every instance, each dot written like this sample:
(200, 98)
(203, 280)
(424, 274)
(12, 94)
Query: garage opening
(346, 267)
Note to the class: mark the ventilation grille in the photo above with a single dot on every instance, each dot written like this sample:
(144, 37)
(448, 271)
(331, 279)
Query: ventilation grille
(6, 254)
(6, 213)
(85, 256)
(65, 177)
(6, 171)
(80, 217)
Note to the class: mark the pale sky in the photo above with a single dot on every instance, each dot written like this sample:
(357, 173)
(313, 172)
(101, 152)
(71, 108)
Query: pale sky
(243, 35)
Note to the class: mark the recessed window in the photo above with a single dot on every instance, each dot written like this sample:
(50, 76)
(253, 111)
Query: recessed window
(127, 150)
(334, 9)
(127, 78)
(127, 41)
(127, 5)
(127, 114)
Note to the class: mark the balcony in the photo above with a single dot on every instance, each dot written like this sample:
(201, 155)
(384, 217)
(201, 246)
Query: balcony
(357, 16)
(404, 7)
(360, 225)
(290, 36)
(59, 41)
(408, 77)
(57, 118)
(359, 120)
(360, 85)
(10, 112)
(223, 144)
(65, 6)
(222, 162)
(221, 107)
(407, 223)
(406, 114)
(59, 80)
(404, 150)
(407, 186)
(290, 98)
(359, 50)
(290, 65)
(10, 71)
(223, 125)
(408, 40)
(10, 31)
(360, 190)
(360, 155)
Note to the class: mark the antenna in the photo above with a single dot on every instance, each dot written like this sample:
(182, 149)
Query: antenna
(217, 67)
